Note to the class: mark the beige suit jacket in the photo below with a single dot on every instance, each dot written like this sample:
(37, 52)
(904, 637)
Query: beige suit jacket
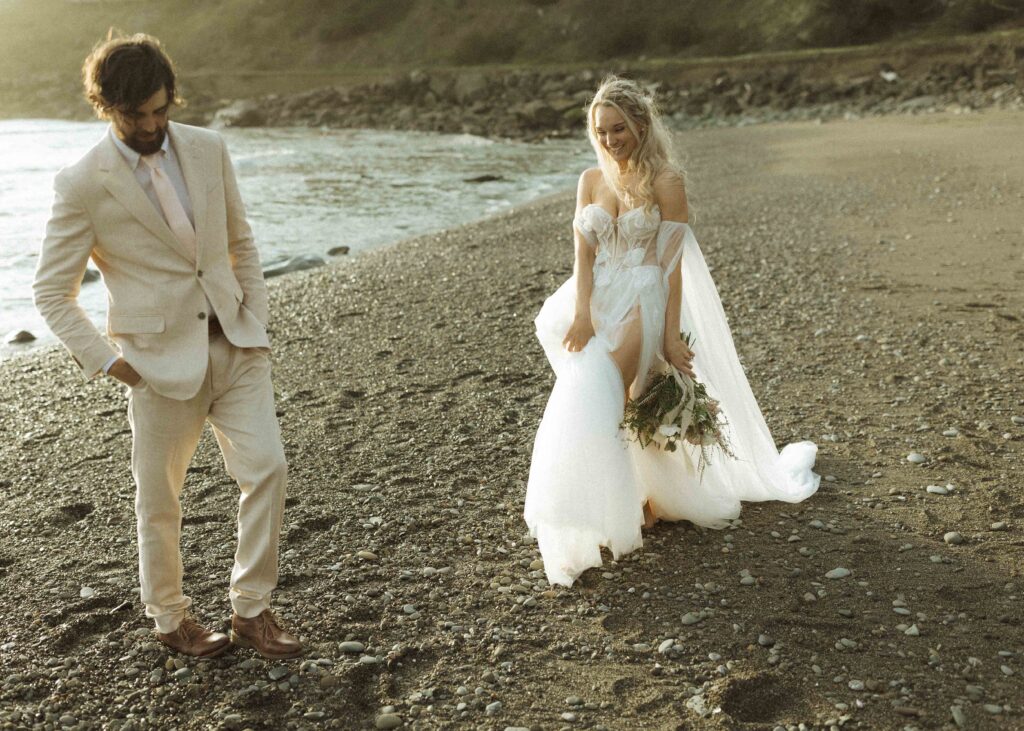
(157, 295)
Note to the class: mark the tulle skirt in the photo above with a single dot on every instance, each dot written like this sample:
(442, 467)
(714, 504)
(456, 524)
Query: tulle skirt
(589, 481)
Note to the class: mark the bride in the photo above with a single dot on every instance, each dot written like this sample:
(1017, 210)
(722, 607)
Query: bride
(639, 279)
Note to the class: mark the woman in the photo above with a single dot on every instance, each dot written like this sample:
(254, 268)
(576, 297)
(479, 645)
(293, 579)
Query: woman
(619, 314)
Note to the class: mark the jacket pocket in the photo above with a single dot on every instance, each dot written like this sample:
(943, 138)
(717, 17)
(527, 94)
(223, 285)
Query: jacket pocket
(135, 324)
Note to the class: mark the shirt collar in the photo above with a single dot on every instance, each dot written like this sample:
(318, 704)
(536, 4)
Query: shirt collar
(132, 157)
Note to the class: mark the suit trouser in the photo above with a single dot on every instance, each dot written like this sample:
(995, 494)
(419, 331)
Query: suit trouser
(237, 397)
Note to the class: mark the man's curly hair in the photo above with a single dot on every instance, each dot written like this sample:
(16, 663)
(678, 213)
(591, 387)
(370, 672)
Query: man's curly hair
(122, 72)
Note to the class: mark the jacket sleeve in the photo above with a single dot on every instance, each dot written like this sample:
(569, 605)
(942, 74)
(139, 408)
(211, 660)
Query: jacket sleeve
(245, 259)
(66, 248)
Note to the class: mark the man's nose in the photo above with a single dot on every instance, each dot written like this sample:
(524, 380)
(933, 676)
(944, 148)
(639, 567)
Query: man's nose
(148, 125)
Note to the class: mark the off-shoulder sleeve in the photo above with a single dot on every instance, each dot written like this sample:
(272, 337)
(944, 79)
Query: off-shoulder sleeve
(585, 229)
(671, 238)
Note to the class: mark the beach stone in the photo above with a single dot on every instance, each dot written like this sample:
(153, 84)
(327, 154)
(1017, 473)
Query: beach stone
(387, 720)
(665, 646)
(691, 618)
(493, 709)
(1018, 420)
(19, 337)
(959, 717)
(837, 573)
(951, 433)
(367, 555)
(338, 250)
(953, 538)
(998, 525)
(277, 672)
(916, 458)
(912, 631)
(351, 647)
(937, 490)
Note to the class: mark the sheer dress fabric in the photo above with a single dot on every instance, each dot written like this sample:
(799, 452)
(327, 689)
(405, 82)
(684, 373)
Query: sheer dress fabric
(588, 481)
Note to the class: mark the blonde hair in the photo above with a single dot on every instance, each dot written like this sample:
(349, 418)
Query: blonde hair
(653, 153)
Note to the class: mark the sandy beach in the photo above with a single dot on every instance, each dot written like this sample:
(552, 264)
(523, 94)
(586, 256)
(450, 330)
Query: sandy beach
(873, 273)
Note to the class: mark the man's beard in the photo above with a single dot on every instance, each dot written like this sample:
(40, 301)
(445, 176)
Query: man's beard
(146, 145)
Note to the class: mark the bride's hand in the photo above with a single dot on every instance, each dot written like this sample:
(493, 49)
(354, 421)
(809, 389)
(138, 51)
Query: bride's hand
(679, 354)
(580, 333)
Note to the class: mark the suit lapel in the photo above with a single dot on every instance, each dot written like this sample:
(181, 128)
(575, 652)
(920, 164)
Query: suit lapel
(191, 160)
(120, 182)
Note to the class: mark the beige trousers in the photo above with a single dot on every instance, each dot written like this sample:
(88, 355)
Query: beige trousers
(237, 397)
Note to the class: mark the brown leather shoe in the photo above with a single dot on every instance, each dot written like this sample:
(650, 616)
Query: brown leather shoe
(192, 638)
(263, 634)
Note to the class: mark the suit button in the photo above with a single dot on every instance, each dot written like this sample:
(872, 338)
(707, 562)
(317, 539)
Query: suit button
(202, 315)
(199, 273)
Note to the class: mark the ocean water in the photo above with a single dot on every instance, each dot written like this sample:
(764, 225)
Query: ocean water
(306, 191)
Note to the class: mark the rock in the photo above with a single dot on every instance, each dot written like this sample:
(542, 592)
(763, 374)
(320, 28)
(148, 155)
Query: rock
(351, 647)
(1018, 420)
(493, 709)
(19, 337)
(242, 113)
(959, 717)
(86, 592)
(691, 618)
(837, 573)
(912, 631)
(387, 720)
(916, 458)
(486, 178)
(367, 555)
(338, 250)
(998, 526)
(665, 646)
(293, 264)
(953, 538)
(277, 672)
(950, 433)
(937, 490)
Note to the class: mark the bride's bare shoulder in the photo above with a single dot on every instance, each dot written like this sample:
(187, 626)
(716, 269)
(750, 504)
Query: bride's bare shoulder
(670, 195)
(589, 179)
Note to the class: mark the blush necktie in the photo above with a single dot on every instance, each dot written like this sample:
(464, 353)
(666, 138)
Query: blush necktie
(174, 212)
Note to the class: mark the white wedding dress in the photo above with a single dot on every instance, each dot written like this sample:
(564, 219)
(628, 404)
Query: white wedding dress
(588, 479)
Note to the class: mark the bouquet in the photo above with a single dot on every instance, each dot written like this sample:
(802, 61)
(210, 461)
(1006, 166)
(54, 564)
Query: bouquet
(675, 407)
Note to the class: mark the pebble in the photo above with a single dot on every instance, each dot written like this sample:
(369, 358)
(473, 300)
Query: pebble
(856, 685)
(999, 525)
(953, 538)
(387, 720)
(959, 717)
(87, 592)
(493, 709)
(1018, 420)
(691, 618)
(367, 555)
(19, 336)
(937, 490)
(912, 631)
(951, 433)
(993, 709)
(916, 458)
(277, 672)
(351, 646)
(838, 573)
(665, 646)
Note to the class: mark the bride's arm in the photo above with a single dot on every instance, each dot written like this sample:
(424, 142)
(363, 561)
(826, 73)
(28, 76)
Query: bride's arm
(670, 195)
(582, 328)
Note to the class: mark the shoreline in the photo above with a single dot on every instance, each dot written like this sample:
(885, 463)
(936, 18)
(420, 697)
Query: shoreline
(853, 262)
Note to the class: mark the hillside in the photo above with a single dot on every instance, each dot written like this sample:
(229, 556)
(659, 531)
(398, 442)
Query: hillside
(306, 43)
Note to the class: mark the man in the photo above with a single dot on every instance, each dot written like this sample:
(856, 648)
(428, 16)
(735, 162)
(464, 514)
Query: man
(156, 206)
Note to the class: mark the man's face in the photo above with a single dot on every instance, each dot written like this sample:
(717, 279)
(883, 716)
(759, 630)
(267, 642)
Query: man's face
(144, 129)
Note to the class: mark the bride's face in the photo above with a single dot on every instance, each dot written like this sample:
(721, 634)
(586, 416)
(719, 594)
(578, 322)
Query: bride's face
(613, 133)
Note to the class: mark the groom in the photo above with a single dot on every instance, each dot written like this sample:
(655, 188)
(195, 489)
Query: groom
(156, 206)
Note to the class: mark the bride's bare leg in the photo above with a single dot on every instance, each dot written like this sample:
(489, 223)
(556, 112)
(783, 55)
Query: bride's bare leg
(649, 517)
(627, 354)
